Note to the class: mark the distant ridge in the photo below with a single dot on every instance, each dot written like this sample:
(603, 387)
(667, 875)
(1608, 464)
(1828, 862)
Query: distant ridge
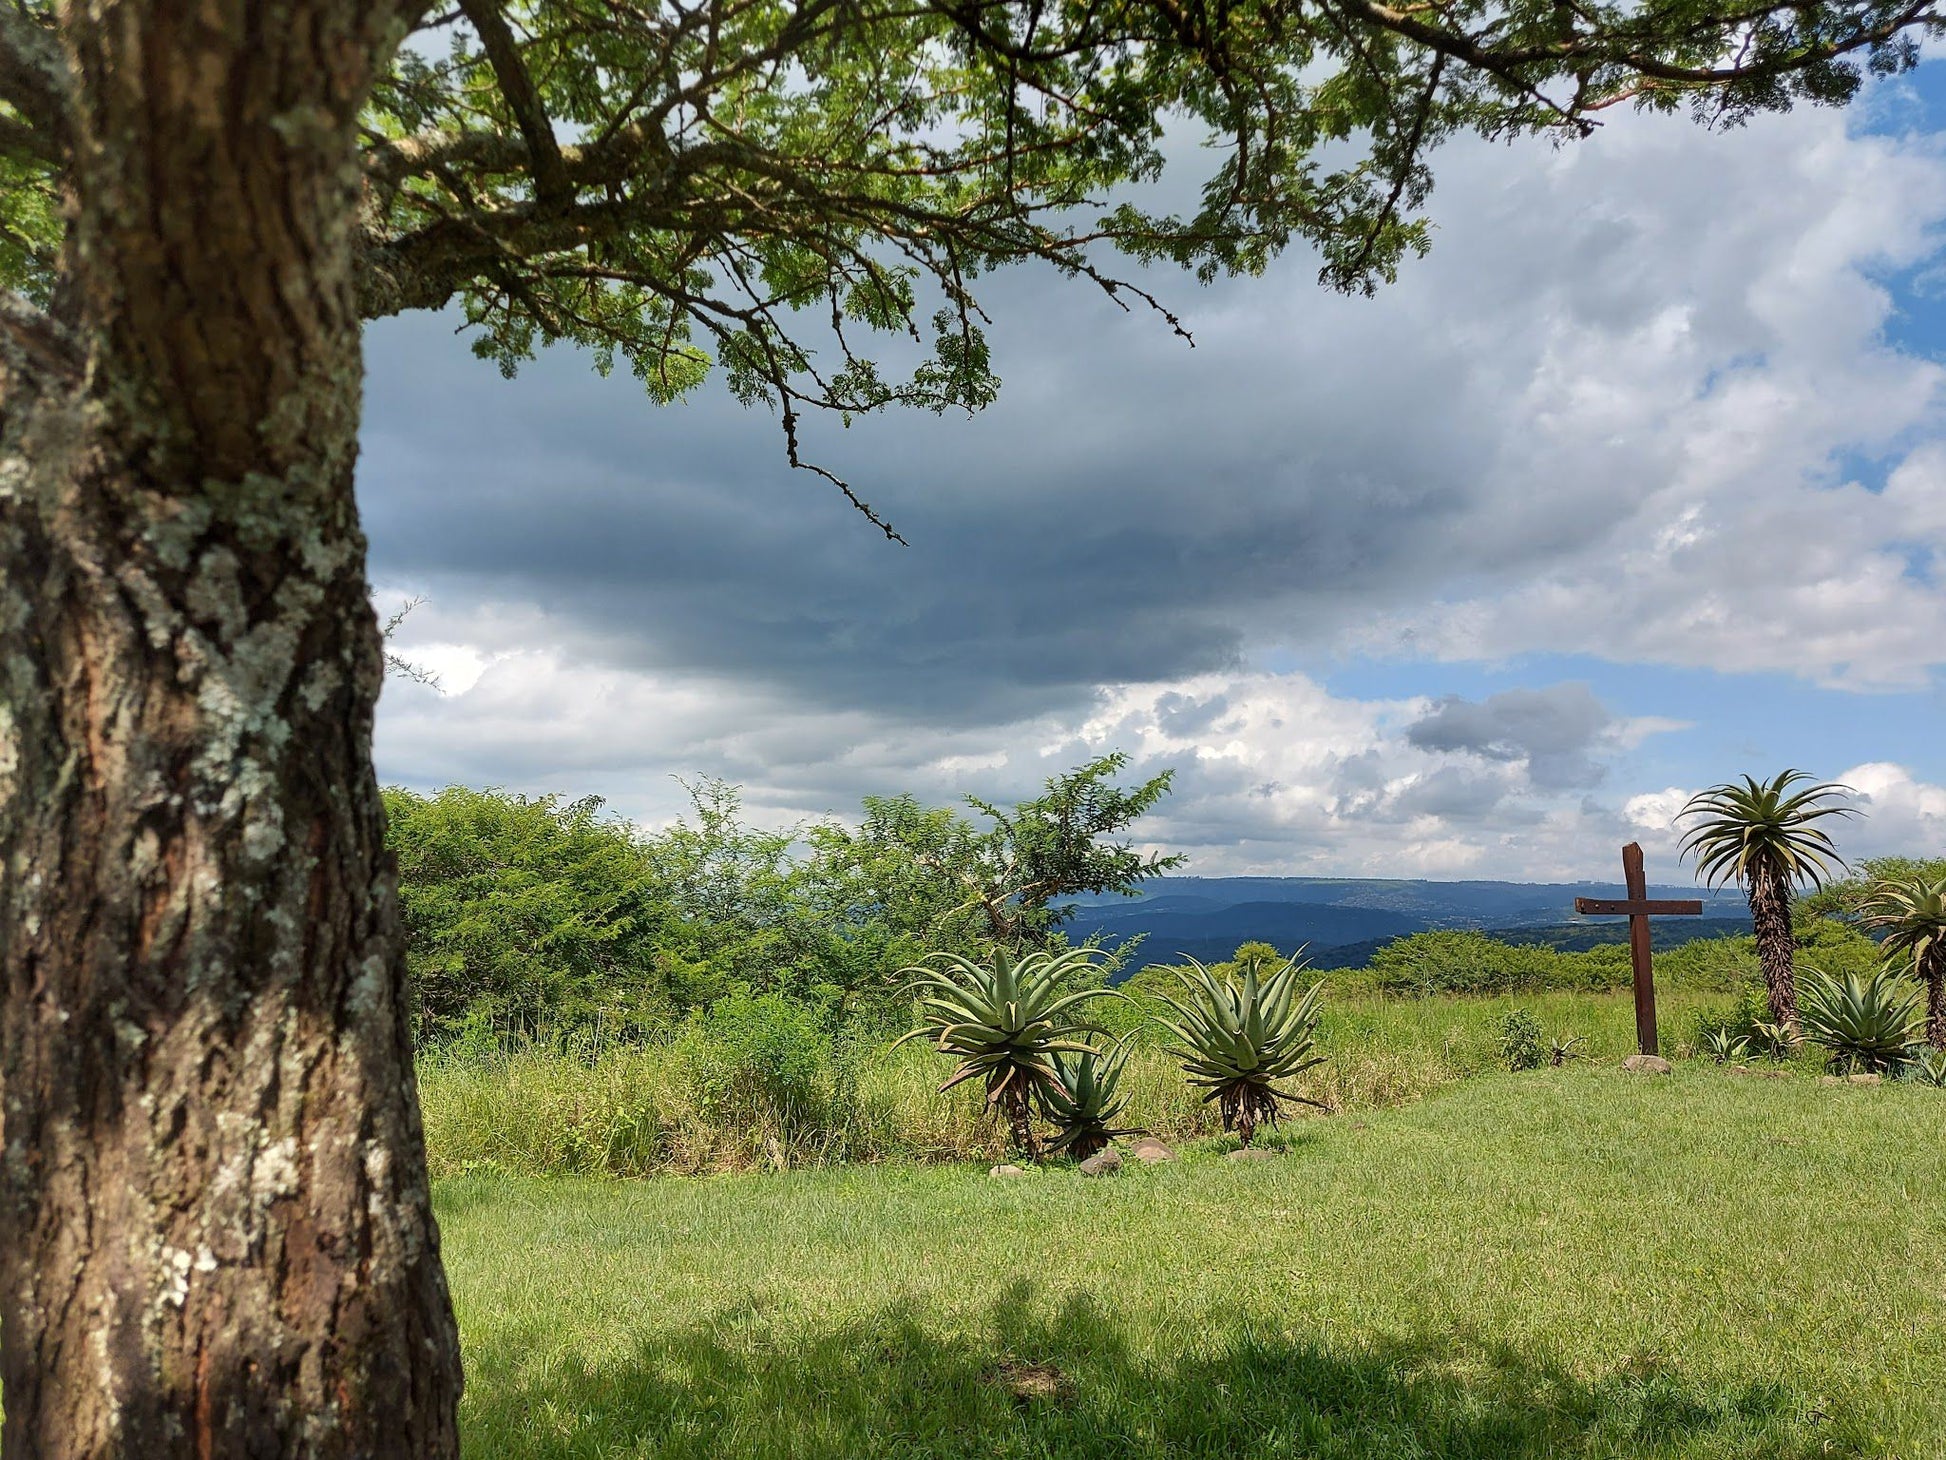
(1345, 920)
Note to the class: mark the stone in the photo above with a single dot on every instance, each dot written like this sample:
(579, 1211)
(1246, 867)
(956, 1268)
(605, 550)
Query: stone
(1149, 1150)
(1102, 1163)
(1851, 1079)
(1006, 1171)
(1648, 1064)
(1253, 1153)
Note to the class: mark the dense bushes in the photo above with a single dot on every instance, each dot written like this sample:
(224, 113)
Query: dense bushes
(538, 917)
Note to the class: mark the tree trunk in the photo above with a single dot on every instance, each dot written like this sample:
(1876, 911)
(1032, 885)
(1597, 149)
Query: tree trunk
(1770, 917)
(1935, 978)
(219, 1237)
(1020, 1116)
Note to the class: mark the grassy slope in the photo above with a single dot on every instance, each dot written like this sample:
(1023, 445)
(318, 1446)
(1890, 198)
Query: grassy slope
(1569, 1263)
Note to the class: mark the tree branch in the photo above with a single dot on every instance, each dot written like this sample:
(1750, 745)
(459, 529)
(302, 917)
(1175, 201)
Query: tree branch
(1500, 61)
(551, 183)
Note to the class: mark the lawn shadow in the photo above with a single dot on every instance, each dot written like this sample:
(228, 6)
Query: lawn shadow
(1060, 1380)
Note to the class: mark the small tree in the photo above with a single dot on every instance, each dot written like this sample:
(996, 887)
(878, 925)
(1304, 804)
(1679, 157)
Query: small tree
(1911, 914)
(1765, 836)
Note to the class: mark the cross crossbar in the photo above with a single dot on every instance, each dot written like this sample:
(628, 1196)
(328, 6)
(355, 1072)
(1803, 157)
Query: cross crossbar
(1638, 907)
(1673, 907)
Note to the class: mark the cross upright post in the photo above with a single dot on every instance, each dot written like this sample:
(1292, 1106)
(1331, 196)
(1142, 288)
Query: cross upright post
(1638, 907)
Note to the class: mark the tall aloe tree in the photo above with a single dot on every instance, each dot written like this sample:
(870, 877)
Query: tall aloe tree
(1008, 1020)
(1911, 913)
(1766, 836)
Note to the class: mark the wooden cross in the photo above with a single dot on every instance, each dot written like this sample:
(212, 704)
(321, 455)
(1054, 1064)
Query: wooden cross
(1638, 909)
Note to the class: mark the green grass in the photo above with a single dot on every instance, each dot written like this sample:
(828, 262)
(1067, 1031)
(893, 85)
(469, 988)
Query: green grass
(1569, 1263)
(642, 1111)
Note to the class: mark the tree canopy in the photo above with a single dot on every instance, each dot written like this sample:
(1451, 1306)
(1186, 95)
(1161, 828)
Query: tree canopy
(758, 187)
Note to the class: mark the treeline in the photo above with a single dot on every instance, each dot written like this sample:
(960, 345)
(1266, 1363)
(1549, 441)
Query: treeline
(541, 916)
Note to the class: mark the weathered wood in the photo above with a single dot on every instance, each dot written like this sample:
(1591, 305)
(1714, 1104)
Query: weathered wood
(1641, 950)
(1646, 907)
(1637, 907)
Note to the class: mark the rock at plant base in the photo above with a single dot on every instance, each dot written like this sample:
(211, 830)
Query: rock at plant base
(1102, 1163)
(1006, 1171)
(1253, 1153)
(1149, 1151)
(1851, 1079)
(1648, 1064)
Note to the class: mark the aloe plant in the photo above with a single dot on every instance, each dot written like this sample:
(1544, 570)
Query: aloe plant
(1765, 836)
(1928, 1067)
(1864, 1023)
(1238, 1040)
(1086, 1102)
(1911, 913)
(1008, 1021)
(1726, 1046)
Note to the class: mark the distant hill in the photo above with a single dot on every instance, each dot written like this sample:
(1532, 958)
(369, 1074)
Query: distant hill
(1345, 919)
(1664, 933)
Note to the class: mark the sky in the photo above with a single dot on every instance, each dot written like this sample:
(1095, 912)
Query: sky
(1634, 484)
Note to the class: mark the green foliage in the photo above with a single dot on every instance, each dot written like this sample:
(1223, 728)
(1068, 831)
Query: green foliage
(1753, 831)
(760, 1063)
(1725, 1046)
(1239, 1039)
(1724, 1030)
(1840, 898)
(1005, 1020)
(524, 913)
(1928, 1068)
(1909, 912)
(1086, 1099)
(1456, 961)
(1061, 844)
(1520, 1040)
(1863, 1024)
(544, 916)
(736, 172)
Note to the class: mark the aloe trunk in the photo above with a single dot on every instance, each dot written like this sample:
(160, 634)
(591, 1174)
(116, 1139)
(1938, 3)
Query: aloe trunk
(1770, 917)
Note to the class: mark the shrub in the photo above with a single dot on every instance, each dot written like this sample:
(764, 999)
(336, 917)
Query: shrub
(1864, 1023)
(761, 1066)
(1520, 1040)
(1720, 1028)
(1087, 1101)
(1928, 1067)
(1006, 1020)
(1238, 1040)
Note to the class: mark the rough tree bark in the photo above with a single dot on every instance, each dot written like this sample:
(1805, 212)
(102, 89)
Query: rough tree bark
(219, 1239)
(1770, 920)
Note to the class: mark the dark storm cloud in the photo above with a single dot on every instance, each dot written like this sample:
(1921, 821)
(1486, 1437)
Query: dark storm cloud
(1555, 730)
(1132, 509)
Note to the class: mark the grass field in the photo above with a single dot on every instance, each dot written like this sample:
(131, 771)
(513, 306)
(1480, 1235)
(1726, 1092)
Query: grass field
(1569, 1263)
(643, 1111)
